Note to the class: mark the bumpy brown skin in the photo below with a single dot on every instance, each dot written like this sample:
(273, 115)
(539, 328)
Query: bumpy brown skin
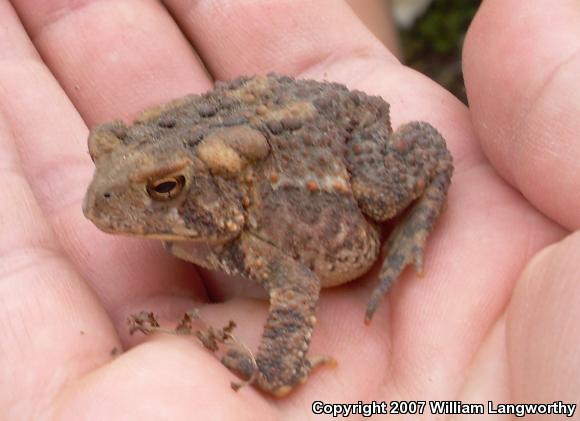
(281, 180)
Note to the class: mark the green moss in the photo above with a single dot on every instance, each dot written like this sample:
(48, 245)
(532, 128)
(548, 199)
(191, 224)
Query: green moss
(433, 45)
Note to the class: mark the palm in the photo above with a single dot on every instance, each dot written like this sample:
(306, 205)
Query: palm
(68, 288)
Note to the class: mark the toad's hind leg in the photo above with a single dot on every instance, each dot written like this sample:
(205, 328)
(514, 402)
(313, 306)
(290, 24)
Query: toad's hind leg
(416, 166)
(281, 359)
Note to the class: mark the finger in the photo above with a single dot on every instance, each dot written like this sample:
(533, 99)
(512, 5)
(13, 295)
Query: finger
(50, 137)
(543, 329)
(53, 327)
(113, 58)
(521, 67)
(293, 37)
(168, 375)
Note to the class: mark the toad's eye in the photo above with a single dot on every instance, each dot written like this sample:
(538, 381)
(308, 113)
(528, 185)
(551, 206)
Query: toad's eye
(166, 188)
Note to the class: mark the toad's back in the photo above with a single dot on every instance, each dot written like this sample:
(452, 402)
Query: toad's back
(302, 200)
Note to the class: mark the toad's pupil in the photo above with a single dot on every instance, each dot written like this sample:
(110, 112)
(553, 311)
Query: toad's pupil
(165, 187)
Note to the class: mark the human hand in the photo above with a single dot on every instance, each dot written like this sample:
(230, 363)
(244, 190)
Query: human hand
(68, 288)
(521, 67)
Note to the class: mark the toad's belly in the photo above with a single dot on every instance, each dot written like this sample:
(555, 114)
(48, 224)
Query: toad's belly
(331, 237)
(344, 262)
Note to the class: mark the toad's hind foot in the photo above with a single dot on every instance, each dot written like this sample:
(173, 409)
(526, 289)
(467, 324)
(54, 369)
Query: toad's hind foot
(403, 250)
(407, 242)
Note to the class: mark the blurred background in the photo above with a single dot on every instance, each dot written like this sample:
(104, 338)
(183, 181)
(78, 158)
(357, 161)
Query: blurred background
(426, 35)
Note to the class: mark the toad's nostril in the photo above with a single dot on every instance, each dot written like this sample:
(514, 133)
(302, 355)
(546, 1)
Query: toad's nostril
(107, 195)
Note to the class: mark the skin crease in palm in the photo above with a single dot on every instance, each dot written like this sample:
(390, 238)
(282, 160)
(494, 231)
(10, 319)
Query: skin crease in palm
(283, 181)
(494, 318)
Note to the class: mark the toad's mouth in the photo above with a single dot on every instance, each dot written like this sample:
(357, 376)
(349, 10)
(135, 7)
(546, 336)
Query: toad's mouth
(145, 231)
(141, 231)
(116, 221)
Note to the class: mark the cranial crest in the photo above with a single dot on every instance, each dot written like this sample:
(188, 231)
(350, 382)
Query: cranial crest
(106, 137)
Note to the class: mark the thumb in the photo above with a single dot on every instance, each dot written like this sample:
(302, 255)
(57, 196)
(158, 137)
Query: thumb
(543, 330)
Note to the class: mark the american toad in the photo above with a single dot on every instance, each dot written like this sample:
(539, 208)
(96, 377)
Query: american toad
(283, 181)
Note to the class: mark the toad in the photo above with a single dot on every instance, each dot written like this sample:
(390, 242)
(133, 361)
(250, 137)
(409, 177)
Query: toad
(280, 180)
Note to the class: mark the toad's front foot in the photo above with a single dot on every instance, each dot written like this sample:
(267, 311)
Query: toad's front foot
(260, 371)
(281, 362)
